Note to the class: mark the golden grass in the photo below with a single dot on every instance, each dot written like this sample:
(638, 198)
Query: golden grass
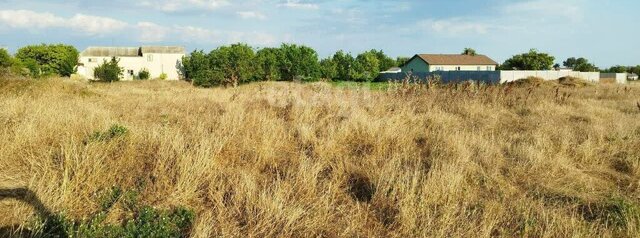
(309, 160)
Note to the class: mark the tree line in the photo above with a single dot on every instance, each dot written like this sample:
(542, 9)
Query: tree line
(240, 63)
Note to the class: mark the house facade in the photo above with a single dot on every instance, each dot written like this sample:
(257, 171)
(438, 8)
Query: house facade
(425, 63)
(158, 60)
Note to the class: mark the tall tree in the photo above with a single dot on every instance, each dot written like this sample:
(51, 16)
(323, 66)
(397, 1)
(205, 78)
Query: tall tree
(195, 63)
(580, 64)
(50, 59)
(469, 51)
(400, 61)
(269, 66)
(235, 62)
(328, 69)
(533, 60)
(367, 66)
(298, 62)
(345, 65)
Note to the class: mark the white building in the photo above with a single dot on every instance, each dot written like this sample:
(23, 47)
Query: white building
(157, 60)
(632, 77)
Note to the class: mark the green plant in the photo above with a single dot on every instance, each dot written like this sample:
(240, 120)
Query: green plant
(208, 78)
(144, 74)
(109, 71)
(5, 59)
(163, 76)
(50, 59)
(113, 132)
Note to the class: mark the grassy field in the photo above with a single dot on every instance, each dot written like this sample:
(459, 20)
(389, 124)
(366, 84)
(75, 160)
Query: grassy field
(313, 160)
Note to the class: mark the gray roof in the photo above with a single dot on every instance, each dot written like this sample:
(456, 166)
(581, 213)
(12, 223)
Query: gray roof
(130, 51)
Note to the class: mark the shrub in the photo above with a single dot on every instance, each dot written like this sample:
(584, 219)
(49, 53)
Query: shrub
(50, 59)
(144, 74)
(163, 76)
(146, 221)
(208, 78)
(5, 59)
(113, 132)
(109, 71)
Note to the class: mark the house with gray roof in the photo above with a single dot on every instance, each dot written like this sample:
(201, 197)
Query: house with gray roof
(158, 60)
(425, 63)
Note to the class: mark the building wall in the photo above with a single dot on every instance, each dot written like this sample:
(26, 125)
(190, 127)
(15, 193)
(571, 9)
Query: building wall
(416, 65)
(513, 75)
(492, 76)
(462, 68)
(419, 66)
(614, 77)
(155, 63)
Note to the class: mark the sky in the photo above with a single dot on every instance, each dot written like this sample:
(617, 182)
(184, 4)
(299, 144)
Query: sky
(605, 32)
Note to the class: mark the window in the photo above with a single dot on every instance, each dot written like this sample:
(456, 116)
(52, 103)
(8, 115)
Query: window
(92, 60)
(458, 68)
(489, 68)
(479, 68)
(149, 58)
(130, 72)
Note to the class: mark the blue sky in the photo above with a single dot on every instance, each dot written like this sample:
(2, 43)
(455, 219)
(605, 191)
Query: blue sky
(603, 31)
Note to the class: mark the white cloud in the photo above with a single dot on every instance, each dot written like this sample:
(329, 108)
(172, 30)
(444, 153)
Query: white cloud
(542, 10)
(251, 15)
(30, 19)
(297, 4)
(92, 25)
(149, 32)
(252, 38)
(95, 25)
(184, 5)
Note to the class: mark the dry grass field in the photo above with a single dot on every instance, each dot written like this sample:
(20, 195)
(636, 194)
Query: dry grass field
(312, 160)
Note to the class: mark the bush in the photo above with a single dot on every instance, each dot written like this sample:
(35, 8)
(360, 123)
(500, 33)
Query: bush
(49, 59)
(144, 74)
(113, 132)
(163, 76)
(208, 78)
(109, 71)
(145, 221)
(5, 59)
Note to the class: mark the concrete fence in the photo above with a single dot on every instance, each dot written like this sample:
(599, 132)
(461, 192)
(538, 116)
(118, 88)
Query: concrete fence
(494, 77)
(613, 77)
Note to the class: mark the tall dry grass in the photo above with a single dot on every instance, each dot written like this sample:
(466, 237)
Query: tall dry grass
(309, 160)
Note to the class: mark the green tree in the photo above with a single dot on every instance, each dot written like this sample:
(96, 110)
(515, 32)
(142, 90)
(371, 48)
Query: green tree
(580, 64)
(367, 66)
(50, 59)
(328, 69)
(194, 63)
(385, 62)
(235, 62)
(109, 71)
(469, 51)
(269, 66)
(617, 69)
(298, 62)
(345, 65)
(400, 61)
(533, 60)
(5, 59)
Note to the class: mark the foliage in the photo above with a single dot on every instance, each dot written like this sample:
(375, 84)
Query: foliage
(345, 66)
(298, 62)
(113, 132)
(194, 63)
(235, 62)
(623, 69)
(45, 59)
(208, 78)
(328, 69)
(109, 71)
(5, 59)
(400, 61)
(367, 66)
(533, 60)
(144, 74)
(145, 221)
(580, 64)
(163, 76)
(269, 65)
(469, 51)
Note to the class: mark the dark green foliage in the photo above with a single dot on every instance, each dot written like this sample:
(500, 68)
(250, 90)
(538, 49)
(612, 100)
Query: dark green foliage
(109, 71)
(44, 59)
(208, 78)
(298, 63)
(533, 60)
(400, 61)
(114, 131)
(235, 62)
(144, 221)
(469, 51)
(328, 69)
(194, 63)
(269, 65)
(345, 69)
(623, 69)
(616, 212)
(144, 74)
(580, 64)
